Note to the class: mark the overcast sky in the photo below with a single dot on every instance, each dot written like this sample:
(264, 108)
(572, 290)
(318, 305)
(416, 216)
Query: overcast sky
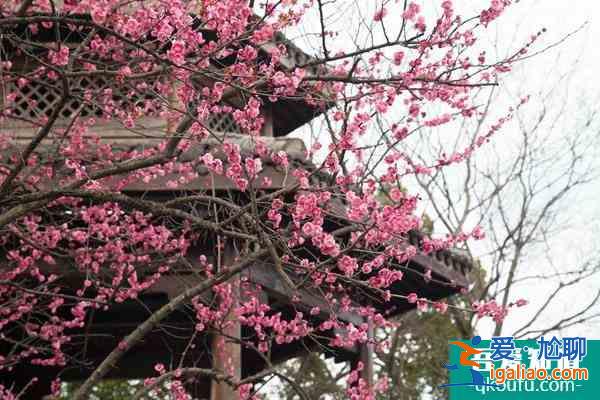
(581, 51)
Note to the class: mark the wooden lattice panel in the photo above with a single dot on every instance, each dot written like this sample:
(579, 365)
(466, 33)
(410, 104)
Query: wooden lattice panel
(90, 96)
(223, 122)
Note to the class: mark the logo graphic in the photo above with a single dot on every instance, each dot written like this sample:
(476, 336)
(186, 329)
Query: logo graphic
(549, 368)
(468, 351)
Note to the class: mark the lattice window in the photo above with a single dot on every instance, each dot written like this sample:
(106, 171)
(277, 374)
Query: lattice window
(223, 122)
(90, 96)
(93, 96)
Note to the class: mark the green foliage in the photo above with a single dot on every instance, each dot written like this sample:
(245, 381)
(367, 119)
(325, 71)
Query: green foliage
(419, 348)
(427, 227)
(314, 375)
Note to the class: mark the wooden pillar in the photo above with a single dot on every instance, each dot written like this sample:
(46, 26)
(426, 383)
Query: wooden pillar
(366, 357)
(227, 353)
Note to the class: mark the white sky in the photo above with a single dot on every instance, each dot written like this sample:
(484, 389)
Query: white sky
(560, 18)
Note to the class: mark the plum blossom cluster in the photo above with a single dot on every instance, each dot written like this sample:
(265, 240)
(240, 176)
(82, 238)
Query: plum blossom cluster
(494, 310)
(107, 245)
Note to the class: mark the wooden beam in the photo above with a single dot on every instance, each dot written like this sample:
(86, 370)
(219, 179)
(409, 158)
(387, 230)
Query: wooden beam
(226, 348)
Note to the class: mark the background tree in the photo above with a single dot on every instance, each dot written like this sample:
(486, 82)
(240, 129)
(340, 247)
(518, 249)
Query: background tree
(524, 195)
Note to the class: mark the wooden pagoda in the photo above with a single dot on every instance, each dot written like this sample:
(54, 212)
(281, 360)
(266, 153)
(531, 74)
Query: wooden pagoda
(171, 343)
